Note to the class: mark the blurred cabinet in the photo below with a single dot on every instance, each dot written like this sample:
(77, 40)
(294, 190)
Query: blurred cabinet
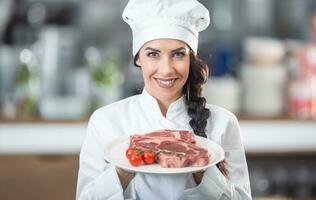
(289, 176)
(34, 177)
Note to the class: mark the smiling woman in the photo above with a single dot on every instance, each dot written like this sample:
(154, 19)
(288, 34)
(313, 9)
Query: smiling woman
(165, 66)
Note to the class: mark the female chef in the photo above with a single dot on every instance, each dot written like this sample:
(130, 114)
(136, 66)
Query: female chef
(165, 40)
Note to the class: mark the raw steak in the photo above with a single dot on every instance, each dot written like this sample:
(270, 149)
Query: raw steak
(172, 152)
(186, 136)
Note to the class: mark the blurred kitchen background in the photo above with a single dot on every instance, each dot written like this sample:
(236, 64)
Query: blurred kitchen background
(62, 59)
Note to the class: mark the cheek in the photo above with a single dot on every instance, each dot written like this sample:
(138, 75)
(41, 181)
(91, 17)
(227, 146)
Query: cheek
(186, 76)
(184, 70)
(187, 71)
(146, 67)
(187, 68)
(147, 71)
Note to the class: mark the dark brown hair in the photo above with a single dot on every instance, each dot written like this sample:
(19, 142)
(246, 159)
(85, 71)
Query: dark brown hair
(196, 103)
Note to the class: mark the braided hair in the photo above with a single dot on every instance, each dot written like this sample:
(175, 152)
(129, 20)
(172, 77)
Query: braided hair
(192, 91)
(196, 103)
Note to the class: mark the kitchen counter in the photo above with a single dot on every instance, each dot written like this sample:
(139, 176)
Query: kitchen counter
(268, 136)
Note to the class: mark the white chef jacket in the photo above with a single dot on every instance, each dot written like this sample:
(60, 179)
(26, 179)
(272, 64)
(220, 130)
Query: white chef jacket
(140, 114)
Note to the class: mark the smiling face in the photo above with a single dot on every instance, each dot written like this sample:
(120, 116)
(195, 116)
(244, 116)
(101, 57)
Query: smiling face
(165, 65)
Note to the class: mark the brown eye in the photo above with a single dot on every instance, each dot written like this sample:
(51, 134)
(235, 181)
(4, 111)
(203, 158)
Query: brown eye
(179, 54)
(152, 54)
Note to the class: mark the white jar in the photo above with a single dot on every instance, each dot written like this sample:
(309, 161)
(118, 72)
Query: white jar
(263, 89)
(224, 92)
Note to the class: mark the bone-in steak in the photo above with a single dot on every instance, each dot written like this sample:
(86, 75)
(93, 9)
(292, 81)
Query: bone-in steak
(174, 148)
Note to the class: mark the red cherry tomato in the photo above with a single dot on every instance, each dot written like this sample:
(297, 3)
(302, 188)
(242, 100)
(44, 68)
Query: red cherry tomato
(136, 158)
(129, 152)
(149, 157)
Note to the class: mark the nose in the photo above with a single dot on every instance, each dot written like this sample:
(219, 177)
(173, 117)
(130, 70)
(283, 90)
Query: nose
(166, 66)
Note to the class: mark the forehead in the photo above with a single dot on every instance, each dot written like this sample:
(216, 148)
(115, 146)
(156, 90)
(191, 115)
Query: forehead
(165, 44)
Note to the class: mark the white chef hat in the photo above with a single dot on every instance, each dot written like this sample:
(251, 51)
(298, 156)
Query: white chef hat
(170, 19)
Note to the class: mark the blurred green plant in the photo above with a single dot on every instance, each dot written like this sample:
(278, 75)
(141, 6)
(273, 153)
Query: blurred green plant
(106, 75)
(107, 72)
(27, 103)
(23, 75)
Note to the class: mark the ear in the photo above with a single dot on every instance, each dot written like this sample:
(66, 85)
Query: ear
(138, 63)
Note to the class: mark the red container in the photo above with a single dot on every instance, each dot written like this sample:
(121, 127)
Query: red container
(302, 98)
(302, 91)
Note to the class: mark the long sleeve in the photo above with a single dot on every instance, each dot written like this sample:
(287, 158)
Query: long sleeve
(98, 179)
(216, 186)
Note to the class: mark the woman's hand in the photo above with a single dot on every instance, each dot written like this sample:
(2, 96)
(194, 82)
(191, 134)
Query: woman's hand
(198, 177)
(124, 176)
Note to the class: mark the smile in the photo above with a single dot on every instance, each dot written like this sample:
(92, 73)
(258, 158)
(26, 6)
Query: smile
(165, 83)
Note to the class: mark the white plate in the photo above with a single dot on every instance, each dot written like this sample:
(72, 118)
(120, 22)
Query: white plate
(115, 154)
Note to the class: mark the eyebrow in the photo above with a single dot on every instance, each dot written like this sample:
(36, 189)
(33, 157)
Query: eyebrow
(178, 49)
(152, 49)
(156, 50)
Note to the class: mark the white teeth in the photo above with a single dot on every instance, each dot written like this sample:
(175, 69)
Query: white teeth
(165, 82)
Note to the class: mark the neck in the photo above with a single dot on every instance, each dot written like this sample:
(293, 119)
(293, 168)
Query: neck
(165, 103)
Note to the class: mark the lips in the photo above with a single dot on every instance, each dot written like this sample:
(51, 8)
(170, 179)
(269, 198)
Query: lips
(166, 83)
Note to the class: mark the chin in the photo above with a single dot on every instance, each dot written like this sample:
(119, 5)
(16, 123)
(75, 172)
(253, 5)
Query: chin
(167, 94)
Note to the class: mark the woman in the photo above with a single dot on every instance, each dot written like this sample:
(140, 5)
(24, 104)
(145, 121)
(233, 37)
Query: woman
(165, 38)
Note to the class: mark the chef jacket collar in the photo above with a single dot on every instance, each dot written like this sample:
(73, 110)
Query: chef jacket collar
(150, 103)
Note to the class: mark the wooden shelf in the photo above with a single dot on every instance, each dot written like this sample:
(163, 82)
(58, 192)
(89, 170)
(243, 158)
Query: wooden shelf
(41, 120)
